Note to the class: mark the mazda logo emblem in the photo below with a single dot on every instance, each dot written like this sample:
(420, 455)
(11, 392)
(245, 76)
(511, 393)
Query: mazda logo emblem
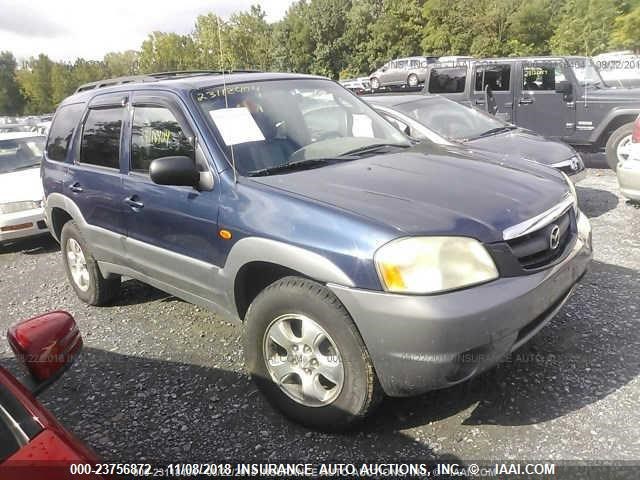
(574, 163)
(554, 238)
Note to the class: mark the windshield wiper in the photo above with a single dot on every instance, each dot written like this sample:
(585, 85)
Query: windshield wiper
(493, 131)
(372, 148)
(312, 162)
(308, 162)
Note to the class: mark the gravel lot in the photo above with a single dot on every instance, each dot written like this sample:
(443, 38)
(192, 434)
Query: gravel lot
(162, 380)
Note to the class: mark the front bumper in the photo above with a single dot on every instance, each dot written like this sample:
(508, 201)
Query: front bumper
(26, 223)
(629, 179)
(419, 343)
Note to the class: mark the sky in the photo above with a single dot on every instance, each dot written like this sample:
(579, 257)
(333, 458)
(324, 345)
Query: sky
(67, 29)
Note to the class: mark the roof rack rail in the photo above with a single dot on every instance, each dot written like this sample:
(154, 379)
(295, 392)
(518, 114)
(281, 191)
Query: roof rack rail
(154, 77)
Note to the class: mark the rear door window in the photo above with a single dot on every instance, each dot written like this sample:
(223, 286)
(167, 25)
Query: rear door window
(447, 80)
(156, 133)
(497, 77)
(101, 138)
(62, 128)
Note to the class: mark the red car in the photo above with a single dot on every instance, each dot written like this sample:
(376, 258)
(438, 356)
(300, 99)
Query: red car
(33, 445)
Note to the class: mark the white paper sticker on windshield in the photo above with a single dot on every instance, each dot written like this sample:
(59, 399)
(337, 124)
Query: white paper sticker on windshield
(362, 126)
(236, 125)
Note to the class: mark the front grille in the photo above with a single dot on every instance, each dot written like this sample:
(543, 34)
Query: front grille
(534, 250)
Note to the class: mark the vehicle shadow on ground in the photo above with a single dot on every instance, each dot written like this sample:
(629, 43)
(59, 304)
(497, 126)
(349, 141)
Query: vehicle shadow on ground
(595, 160)
(573, 362)
(134, 292)
(595, 202)
(130, 408)
(32, 245)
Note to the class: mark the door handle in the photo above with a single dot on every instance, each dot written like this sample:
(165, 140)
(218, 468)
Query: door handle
(76, 187)
(133, 203)
(479, 102)
(525, 101)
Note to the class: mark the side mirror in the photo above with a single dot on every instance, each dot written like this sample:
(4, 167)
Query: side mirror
(46, 346)
(176, 171)
(563, 87)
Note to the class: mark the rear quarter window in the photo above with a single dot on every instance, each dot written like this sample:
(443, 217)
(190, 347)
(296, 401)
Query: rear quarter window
(447, 80)
(62, 128)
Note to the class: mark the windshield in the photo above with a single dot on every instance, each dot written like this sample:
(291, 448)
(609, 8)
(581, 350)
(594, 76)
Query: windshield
(586, 71)
(268, 124)
(451, 119)
(20, 153)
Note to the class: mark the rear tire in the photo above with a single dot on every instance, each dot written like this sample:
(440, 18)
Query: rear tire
(375, 84)
(82, 269)
(307, 317)
(615, 147)
(412, 80)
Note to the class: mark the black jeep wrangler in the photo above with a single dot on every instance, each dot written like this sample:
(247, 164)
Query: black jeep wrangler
(563, 98)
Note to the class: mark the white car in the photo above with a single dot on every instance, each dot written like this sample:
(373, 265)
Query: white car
(628, 170)
(21, 193)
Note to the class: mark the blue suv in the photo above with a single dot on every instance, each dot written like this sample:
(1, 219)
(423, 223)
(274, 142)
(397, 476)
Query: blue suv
(358, 261)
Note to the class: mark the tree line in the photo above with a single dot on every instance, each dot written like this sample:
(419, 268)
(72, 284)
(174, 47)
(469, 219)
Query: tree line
(339, 39)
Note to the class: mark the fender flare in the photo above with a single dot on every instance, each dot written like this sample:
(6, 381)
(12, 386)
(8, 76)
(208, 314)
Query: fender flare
(606, 121)
(257, 249)
(58, 200)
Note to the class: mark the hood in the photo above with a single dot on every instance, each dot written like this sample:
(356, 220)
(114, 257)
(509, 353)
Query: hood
(21, 186)
(432, 190)
(524, 144)
(612, 94)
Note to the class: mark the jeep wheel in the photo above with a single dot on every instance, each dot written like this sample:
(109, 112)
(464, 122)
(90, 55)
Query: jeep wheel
(375, 84)
(306, 355)
(412, 80)
(82, 270)
(619, 145)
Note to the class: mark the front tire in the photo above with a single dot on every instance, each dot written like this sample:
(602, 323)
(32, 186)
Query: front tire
(82, 269)
(305, 354)
(617, 148)
(375, 84)
(412, 80)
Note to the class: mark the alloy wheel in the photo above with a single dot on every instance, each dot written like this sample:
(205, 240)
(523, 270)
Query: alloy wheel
(303, 360)
(78, 265)
(623, 150)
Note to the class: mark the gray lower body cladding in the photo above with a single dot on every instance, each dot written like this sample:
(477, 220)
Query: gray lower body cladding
(420, 343)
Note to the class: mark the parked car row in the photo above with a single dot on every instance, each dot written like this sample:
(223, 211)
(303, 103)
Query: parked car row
(553, 96)
(445, 122)
(359, 86)
(359, 261)
(21, 193)
(629, 169)
(409, 72)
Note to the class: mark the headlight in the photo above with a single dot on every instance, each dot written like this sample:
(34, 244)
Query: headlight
(584, 226)
(433, 264)
(572, 189)
(19, 206)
